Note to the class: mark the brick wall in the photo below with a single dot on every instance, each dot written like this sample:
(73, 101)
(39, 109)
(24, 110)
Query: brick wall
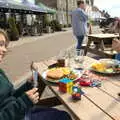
(61, 6)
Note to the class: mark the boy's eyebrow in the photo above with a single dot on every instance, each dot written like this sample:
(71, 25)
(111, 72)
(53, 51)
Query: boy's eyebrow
(2, 41)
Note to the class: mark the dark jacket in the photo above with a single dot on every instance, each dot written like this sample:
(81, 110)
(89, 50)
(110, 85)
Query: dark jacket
(13, 103)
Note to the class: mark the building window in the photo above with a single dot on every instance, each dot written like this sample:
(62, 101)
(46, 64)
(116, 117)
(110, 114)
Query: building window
(87, 1)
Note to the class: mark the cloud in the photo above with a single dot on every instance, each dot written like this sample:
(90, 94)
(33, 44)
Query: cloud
(111, 6)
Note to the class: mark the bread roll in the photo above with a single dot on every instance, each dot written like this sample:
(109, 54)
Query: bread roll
(55, 74)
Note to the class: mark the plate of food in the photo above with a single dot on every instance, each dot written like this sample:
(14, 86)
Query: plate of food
(106, 66)
(55, 74)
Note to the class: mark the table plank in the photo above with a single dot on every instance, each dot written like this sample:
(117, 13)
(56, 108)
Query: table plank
(50, 61)
(110, 89)
(107, 35)
(41, 67)
(115, 80)
(107, 103)
(84, 109)
(89, 61)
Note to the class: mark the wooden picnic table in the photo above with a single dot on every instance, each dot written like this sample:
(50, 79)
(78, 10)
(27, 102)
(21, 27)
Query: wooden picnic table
(97, 104)
(101, 40)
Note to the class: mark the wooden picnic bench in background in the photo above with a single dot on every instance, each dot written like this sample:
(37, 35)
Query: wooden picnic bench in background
(103, 44)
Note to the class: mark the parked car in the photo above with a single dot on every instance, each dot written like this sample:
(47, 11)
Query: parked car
(106, 22)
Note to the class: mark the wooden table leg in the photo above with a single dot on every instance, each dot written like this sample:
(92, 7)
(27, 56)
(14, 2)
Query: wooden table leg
(46, 102)
(49, 102)
(88, 45)
(41, 85)
(102, 45)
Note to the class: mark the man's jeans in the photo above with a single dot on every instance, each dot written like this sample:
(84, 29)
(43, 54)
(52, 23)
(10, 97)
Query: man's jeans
(79, 41)
(117, 56)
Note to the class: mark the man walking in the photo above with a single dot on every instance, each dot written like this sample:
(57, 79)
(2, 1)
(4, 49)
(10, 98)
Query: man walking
(79, 23)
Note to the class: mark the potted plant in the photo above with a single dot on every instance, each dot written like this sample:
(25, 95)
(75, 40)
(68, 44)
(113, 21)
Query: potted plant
(14, 34)
(46, 24)
(55, 25)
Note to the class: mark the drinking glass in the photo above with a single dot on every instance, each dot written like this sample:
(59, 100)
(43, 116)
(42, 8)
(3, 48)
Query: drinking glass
(69, 56)
(61, 58)
(65, 55)
(79, 59)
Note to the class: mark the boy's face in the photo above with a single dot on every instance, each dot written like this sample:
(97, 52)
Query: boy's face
(3, 49)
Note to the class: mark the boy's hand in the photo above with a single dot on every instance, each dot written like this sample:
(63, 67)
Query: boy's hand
(33, 95)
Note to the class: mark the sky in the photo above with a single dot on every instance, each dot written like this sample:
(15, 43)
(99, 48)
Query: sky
(111, 6)
(31, 1)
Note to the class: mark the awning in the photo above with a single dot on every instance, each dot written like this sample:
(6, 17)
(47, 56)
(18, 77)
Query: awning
(18, 7)
(49, 10)
(34, 8)
(9, 5)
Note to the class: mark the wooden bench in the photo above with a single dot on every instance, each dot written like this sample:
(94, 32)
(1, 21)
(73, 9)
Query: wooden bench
(99, 40)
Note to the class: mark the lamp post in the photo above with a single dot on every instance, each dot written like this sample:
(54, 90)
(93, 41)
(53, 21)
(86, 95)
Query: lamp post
(92, 2)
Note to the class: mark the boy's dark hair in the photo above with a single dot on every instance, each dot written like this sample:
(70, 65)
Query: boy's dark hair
(80, 2)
